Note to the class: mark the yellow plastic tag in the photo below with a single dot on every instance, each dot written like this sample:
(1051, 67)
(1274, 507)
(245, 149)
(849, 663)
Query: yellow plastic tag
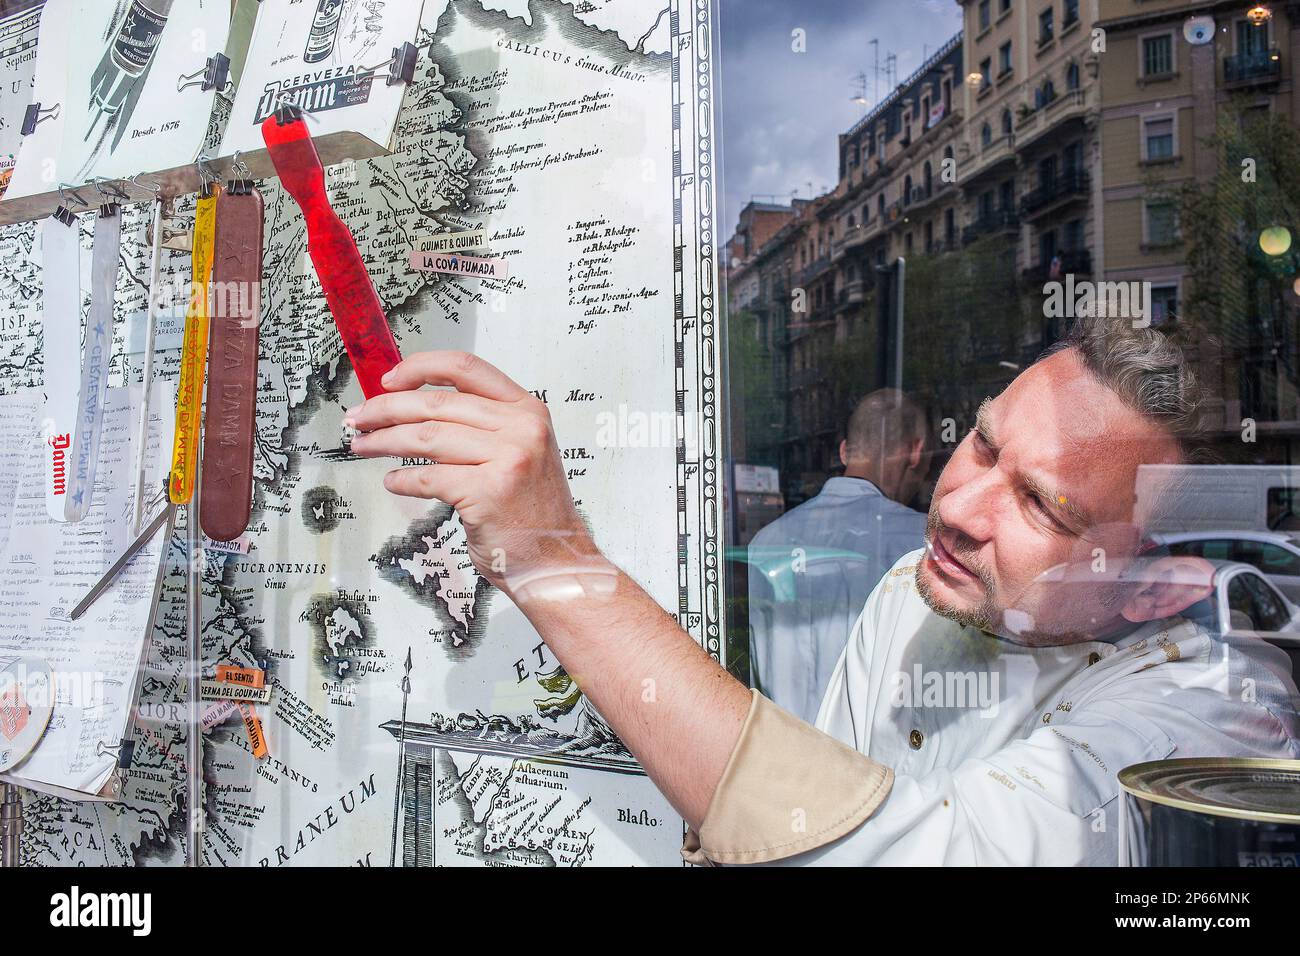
(189, 394)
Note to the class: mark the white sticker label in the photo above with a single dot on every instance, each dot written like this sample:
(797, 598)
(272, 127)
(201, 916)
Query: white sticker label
(459, 265)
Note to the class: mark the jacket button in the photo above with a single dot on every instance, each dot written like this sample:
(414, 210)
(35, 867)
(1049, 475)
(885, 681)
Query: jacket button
(916, 738)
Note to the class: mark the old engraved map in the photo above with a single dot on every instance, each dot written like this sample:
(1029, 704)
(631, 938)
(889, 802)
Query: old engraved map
(578, 137)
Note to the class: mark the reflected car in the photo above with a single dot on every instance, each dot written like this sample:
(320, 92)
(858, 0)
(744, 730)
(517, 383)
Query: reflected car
(780, 565)
(1244, 605)
(1275, 554)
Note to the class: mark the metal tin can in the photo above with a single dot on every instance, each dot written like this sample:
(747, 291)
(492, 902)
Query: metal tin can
(1212, 811)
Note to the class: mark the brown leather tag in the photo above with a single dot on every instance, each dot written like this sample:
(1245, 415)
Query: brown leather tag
(226, 489)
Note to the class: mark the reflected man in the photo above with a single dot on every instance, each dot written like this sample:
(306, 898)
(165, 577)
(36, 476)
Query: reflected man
(811, 570)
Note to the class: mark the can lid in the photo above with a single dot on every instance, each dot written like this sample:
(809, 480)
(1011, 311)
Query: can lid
(1246, 788)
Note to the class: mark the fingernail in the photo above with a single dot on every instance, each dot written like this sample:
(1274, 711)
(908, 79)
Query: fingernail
(353, 412)
(388, 377)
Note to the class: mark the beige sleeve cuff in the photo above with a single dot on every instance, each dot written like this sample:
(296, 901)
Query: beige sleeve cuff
(788, 788)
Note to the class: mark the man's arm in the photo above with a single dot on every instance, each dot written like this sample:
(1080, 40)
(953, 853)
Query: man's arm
(499, 467)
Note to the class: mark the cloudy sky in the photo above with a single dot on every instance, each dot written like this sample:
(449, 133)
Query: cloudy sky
(782, 110)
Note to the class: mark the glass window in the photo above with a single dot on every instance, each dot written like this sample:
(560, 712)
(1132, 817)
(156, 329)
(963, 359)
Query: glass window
(1252, 37)
(1159, 137)
(1158, 55)
(1270, 613)
(984, 14)
(1283, 509)
(1275, 559)
(1162, 223)
(904, 387)
(1243, 613)
(1164, 304)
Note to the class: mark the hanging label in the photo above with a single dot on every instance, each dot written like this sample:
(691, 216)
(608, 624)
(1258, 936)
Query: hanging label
(61, 323)
(226, 496)
(460, 265)
(224, 690)
(248, 676)
(194, 353)
(96, 352)
(452, 241)
(217, 713)
(253, 727)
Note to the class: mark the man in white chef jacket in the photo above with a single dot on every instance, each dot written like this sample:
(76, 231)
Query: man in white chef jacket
(997, 680)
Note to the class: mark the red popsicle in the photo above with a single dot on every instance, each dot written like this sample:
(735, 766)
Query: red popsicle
(349, 292)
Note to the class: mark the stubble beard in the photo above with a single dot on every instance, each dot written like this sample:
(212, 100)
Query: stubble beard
(986, 616)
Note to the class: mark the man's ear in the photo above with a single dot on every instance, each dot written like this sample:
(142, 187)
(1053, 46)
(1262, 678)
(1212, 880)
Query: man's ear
(1168, 585)
(916, 453)
(844, 453)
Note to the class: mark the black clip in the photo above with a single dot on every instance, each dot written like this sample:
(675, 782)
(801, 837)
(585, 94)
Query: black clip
(215, 75)
(109, 209)
(402, 69)
(65, 215)
(287, 113)
(241, 178)
(36, 115)
(124, 754)
(401, 65)
(207, 178)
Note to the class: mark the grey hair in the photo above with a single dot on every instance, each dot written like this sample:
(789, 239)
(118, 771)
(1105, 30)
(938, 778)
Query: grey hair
(1147, 370)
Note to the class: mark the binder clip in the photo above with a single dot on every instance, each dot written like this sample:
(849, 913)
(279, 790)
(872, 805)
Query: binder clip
(36, 115)
(287, 113)
(207, 178)
(241, 178)
(215, 75)
(121, 752)
(124, 755)
(401, 65)
(65, 191)
(63, 214)
(108, 189)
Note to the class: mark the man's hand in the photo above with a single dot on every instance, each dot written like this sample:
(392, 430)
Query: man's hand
(496, 460)
(498, 465)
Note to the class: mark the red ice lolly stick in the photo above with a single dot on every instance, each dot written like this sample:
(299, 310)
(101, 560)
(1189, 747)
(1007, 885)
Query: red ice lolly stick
(348, 290)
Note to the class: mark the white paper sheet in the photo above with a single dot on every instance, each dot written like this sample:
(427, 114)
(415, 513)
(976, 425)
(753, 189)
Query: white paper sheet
(18, 31)
(315, 54)
(113, 68)
(47, 567)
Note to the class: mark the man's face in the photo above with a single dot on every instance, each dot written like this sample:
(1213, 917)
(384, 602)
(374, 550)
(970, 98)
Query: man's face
(1046, 478)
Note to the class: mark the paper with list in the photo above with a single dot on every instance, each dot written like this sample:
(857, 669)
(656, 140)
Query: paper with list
(46, 567)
